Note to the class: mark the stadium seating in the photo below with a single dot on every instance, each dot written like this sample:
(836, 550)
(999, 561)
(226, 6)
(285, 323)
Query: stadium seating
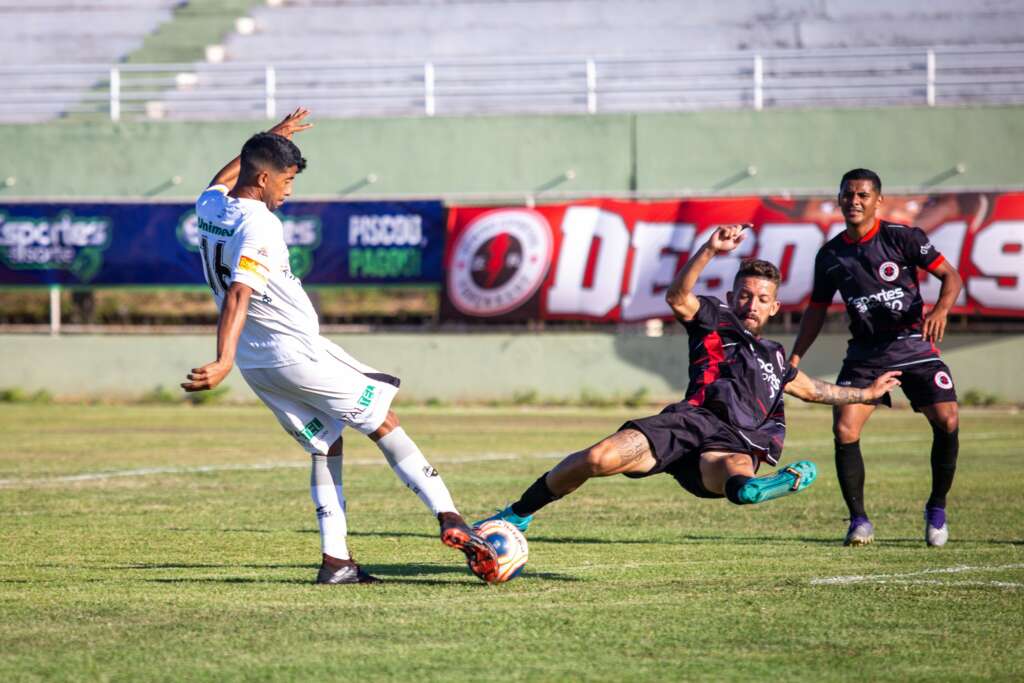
(402, 57)
(87, 35)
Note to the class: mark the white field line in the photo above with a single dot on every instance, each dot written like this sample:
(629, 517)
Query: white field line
(245, 467)
(900, 578)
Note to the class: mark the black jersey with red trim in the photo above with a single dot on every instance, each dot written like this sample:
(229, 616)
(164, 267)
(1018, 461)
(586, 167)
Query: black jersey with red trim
(878, 281)
(738, 376)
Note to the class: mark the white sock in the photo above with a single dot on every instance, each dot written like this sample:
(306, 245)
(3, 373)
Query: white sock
(415, 472)
(325, 490)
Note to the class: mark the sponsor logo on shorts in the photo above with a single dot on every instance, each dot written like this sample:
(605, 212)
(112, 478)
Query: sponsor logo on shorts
(499, 261)
(312, 428)
(943, 380)
(888, 271)
(367, 398)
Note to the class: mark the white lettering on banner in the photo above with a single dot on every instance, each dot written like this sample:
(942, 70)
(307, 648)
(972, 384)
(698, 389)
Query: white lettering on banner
(994, 260)
(385, 230)
(580, 227)
(806, 239)
(948, 239)
(652, 271)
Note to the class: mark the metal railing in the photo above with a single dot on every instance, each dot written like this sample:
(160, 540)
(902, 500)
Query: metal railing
(653, 82)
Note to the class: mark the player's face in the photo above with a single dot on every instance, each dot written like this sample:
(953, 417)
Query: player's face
(278, 186)
(859, 200)
(754, 301)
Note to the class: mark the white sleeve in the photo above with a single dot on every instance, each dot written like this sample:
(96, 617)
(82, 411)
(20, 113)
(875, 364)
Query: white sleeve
(255, 257)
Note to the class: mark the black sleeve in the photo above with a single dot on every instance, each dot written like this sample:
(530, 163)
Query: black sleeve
(823, 289)
(789, 374)
(707, 316)
(918, 249)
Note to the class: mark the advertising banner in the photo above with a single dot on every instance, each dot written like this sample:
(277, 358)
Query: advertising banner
(330, 243)
(607, 260)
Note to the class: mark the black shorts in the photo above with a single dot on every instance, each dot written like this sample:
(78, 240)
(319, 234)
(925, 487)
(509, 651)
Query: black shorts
(679, 435)
(924, 383)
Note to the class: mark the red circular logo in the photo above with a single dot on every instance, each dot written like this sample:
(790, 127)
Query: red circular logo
(943, 380)
(888, 271)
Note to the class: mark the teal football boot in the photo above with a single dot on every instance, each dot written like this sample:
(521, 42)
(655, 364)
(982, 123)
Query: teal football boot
(787, 481)
(521, 523)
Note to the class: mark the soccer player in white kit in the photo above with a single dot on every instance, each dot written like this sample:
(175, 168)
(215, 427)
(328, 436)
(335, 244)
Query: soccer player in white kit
(268, 327)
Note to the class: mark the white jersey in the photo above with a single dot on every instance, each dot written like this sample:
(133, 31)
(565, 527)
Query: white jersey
(241, 240)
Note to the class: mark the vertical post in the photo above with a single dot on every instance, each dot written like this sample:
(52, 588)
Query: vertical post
(591, 87)
(270, 92)
(54, 310)
(930, 79)
(428, 88)
(758, 82)
(115, 94)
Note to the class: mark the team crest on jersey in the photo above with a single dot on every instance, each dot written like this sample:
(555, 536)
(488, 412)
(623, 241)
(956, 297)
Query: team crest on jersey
(888, 271)
(943, 380)
(499, 261)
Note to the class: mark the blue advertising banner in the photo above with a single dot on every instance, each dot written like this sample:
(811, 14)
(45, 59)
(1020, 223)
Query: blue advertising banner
(330, 243)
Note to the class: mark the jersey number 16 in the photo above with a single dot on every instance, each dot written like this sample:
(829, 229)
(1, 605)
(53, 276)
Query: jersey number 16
(215, 271)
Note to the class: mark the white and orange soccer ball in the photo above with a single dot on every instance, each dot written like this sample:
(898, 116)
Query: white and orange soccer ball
(510, 544)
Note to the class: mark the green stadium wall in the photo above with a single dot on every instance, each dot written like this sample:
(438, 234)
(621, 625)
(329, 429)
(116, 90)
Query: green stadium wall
(677, 153)
(460, 367)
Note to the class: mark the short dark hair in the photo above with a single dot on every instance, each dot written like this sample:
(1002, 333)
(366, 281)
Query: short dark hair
(861, 174)
(268, 150)
(758, 268)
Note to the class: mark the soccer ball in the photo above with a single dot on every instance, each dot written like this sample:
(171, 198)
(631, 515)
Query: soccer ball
(510, 544)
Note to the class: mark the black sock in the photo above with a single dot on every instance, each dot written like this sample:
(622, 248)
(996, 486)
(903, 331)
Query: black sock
(945, 448)
(850, 468)
(732, 487)
(534, 498)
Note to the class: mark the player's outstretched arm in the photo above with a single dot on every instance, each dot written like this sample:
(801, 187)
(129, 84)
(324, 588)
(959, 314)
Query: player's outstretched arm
(810, 327)
(680, 296)
(935, 322)
(289, 125)
(229, 327)
(806, 388)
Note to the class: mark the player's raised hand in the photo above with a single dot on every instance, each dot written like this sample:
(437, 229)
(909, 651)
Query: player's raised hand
(206, 377)
(291, 124)
(725, 238)
(934, 325)
(885, 383)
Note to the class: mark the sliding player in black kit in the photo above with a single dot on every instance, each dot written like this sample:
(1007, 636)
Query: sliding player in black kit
(873, 264)
(731, 419)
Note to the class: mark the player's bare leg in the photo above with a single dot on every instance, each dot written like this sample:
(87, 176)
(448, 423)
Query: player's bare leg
(945, 421)
(337, 565)
(732, 475)
(409, 464)
(847, 423)
(624, 452)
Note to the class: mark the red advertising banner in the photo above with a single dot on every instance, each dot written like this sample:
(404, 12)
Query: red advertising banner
(609, 260)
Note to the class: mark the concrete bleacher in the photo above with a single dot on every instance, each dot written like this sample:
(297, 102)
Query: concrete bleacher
(75, 33)
(425, 29)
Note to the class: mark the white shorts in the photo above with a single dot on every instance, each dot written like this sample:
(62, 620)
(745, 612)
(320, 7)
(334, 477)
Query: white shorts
(314, 400)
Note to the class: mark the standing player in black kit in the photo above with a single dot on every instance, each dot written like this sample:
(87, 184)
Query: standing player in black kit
(873, 264)
(732, 418)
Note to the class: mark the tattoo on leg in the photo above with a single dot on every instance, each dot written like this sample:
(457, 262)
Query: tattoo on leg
(630, 445)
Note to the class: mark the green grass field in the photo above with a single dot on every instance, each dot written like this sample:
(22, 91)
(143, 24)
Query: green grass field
(187, 547)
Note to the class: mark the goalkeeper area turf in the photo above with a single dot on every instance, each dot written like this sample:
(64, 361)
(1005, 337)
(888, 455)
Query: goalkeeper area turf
(172, 542)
